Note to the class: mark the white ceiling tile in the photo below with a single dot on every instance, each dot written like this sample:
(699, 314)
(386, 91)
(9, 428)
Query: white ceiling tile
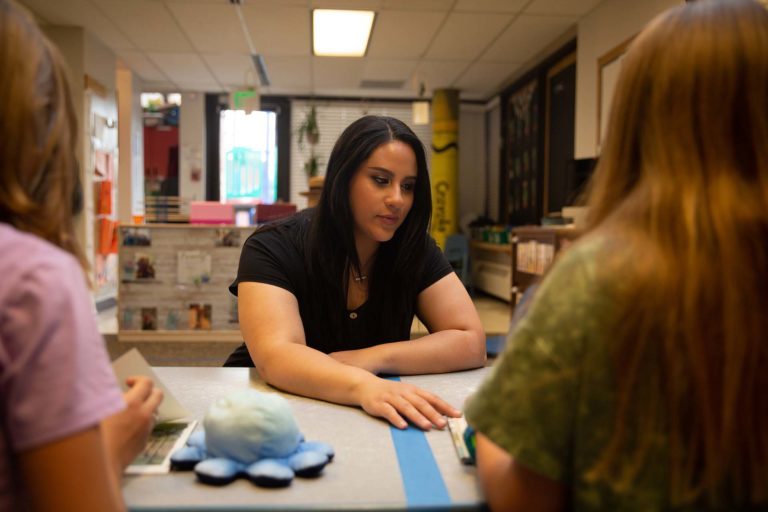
(141, 65)
(438, 74)
(485, 78)
(187, 2)
(465, 35)
(232, 68)
(380, 69)
(403, 35)
(419, 5)
(289, 73)
(274, 3)
(181, 67)
(194, 86)
(576, 8)
(337, 72)
(159, 86)
(80, 13)
(199, 44)
(64, 12)
(211, 28)
(148, 24)
(283, 31)
(512, 6)
(527, 36)
(356, 5)
(107, 32)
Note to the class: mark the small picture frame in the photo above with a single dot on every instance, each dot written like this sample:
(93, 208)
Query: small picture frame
(148, 319)
(199, 316)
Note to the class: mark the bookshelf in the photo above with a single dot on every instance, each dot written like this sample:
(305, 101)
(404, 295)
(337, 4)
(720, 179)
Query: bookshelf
(174, 279)
(491, 268)
(533, 250)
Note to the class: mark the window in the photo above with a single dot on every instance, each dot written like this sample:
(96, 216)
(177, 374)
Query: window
(248, 156)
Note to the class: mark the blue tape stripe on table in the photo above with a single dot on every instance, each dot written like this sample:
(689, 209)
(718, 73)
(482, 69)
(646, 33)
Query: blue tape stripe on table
(422, 481)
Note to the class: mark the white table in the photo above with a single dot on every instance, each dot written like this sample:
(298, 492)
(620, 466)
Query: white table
(365, 474)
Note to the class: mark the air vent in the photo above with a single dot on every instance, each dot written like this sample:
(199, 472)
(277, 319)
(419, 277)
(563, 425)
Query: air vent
(382, 84)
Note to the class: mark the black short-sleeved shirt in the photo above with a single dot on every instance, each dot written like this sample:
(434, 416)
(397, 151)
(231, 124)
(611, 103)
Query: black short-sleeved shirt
(277, 257)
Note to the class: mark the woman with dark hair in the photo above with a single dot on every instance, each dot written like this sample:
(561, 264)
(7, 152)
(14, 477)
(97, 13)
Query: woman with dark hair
(66, 431)
(637, 379)
(326, 298)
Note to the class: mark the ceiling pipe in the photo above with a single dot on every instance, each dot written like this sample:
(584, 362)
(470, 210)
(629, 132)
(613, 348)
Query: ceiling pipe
(256, 58)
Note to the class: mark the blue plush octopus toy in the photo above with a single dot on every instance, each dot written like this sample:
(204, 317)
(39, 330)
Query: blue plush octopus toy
(253, 435)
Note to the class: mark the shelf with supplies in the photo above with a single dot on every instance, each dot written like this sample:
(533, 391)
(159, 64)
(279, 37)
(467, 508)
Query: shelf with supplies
(491, 268)
(174, 279)
(534, 248)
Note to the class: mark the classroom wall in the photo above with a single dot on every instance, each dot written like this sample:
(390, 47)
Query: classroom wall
(472, 161)
(137, 148)
(493, 155)
(84, 55)
(130, 183)
(608, 25)
(192, 146)
(70, 41)
(99, 61)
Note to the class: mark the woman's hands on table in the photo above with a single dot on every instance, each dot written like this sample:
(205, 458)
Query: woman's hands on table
(397, 402)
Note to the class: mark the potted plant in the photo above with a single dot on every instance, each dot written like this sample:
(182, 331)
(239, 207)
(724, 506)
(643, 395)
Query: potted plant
(312, 166)
(309, 128)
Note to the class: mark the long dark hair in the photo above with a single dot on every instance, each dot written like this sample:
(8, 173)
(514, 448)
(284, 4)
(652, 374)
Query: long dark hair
(331, 242)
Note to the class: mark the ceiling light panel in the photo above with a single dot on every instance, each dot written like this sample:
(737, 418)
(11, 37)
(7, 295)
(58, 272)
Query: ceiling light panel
(337, 33)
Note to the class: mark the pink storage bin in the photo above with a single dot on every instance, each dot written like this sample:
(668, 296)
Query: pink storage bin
(211, 212)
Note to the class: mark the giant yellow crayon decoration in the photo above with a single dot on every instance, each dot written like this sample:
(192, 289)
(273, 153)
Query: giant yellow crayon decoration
(445, 164)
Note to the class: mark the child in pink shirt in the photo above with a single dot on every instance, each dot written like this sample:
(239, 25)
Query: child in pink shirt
(66, 432)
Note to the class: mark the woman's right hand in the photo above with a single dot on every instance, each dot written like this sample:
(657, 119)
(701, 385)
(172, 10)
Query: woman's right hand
(397, 402)
(127, 431)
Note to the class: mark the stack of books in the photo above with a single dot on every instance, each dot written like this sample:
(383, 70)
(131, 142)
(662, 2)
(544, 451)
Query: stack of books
(166, 209)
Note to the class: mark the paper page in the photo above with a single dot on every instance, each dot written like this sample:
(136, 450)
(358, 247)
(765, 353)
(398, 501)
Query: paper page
(193, 267)
(133, 363)
(165, 439)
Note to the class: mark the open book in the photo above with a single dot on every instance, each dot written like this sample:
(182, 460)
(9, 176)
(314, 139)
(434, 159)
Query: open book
(173, 427)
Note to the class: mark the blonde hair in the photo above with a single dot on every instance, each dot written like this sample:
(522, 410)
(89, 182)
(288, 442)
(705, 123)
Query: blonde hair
(38, 170)
(683, 183)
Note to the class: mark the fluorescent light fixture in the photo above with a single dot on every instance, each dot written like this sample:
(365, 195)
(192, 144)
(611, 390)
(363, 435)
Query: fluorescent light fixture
(341, 33)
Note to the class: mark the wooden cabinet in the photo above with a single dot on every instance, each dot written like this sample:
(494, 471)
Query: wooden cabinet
(533, 250)
(491, 268)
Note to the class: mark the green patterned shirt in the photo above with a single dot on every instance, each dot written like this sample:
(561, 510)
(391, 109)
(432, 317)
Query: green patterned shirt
(549, 398)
